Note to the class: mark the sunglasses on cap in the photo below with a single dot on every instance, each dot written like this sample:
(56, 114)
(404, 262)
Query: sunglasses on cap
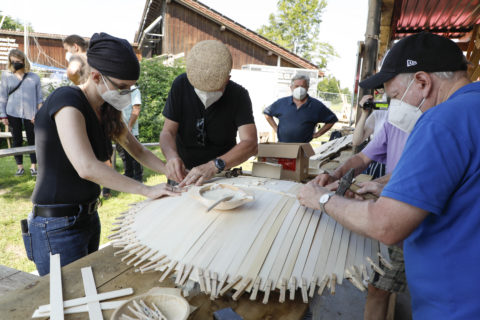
(121, 92)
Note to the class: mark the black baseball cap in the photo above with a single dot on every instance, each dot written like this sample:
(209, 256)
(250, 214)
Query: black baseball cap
(419, 52)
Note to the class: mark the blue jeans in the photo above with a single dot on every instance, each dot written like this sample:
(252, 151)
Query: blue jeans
(72, 237)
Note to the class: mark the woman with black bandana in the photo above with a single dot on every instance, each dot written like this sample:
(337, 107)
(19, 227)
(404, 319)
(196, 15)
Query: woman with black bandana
(20, 98)
(74, 129)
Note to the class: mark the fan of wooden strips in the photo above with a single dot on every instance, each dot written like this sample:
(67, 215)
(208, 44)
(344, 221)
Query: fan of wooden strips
(270, 243)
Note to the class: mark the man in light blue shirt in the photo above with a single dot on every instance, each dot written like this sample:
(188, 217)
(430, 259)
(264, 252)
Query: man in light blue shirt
(130, 114)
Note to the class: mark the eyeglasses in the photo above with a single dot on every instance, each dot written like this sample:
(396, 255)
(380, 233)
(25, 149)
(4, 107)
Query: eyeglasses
(121, 92)
(200, 126)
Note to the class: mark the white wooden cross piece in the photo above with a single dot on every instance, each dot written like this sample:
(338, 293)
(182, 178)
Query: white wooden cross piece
(91, 303)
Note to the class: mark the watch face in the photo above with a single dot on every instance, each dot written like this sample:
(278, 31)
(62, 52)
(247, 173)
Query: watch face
(220, 164)
(324, 198)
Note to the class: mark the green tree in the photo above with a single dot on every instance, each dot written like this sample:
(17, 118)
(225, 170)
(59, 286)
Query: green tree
(13, 24)
(329, 85)
(296, 27)
(154, 84)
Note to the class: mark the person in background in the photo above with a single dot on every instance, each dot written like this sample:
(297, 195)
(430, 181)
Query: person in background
(431, 201)
(20, 98)
(74, 130)
(130, 114)
(203, 113)
(299, 114)
(368, 125)
(75, 53)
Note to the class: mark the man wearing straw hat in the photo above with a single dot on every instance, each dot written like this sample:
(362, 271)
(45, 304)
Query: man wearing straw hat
(431, 202)
(203, 113)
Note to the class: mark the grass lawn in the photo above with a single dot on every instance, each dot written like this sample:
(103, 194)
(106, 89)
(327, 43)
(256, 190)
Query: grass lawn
(15, 204)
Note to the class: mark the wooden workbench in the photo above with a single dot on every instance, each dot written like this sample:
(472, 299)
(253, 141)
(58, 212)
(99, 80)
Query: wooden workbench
(112, 274)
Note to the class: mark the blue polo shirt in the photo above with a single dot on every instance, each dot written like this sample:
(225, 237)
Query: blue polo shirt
(298, 125)
(439, 171)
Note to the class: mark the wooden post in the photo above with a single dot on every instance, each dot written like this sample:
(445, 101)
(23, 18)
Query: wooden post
(371, 45)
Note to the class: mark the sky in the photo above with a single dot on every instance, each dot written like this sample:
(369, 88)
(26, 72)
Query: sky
(343, 21)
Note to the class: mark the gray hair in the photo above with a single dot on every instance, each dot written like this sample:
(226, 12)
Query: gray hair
(300, 77)
(443, 75)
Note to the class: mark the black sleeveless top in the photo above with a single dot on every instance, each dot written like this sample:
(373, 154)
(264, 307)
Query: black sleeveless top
(57, 180)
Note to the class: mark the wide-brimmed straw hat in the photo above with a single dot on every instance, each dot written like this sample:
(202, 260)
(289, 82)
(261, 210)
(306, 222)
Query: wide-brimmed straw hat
(208, 65)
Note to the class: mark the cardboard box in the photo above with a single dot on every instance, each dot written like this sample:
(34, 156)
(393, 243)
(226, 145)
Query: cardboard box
(288, 159)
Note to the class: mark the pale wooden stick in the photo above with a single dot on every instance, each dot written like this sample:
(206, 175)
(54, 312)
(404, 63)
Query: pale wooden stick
(181, 267)
(201, 279)
(221, 283)
(333, 283)
(208, 283)
(154, 264)
(354, 280)
(169, 270)
(241, 290)
(256, 284)
(293, 287)
(84, 300)
(214, 286)
(186, 274)
(364, 273)
(133, 252)
(56, 295)
(375, 266)
(94, 310)
(304, 290)
(230, 285)
(145, 257)
(267, 291)
(138, 255)
(283, 290)
(323, 284)
(313, 285)
(127, 248)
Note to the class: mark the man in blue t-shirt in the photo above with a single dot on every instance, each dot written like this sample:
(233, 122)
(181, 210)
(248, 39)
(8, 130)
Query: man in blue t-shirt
(432, 200)
(299, 114)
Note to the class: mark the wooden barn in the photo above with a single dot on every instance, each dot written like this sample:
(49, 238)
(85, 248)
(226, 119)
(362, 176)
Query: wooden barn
(44, 48)
(174, 26)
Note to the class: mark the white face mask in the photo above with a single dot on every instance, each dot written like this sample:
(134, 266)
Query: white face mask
(299, 93)
(114, 98)
(68, 56)
(402, 115)
(208, 98)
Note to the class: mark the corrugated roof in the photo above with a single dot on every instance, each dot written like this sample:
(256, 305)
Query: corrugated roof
(450, 18)
(152, 11)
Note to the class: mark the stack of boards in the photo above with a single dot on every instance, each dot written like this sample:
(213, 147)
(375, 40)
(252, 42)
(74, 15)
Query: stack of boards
(270, 243)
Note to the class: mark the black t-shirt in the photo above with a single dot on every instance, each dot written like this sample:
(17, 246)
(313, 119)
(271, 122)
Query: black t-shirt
(57, 180)
(220, 124)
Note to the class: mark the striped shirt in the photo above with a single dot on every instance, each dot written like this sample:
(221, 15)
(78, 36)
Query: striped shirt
(24, 101)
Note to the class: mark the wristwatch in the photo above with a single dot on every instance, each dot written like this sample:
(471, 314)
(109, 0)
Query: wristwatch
(220, 164)
(324, 199)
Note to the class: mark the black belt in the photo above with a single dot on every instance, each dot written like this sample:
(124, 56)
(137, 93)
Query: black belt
(68, 210)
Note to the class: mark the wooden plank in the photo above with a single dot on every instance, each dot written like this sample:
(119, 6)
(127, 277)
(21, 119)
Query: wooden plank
(94, 309)
(16, 151)
(56, 295)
